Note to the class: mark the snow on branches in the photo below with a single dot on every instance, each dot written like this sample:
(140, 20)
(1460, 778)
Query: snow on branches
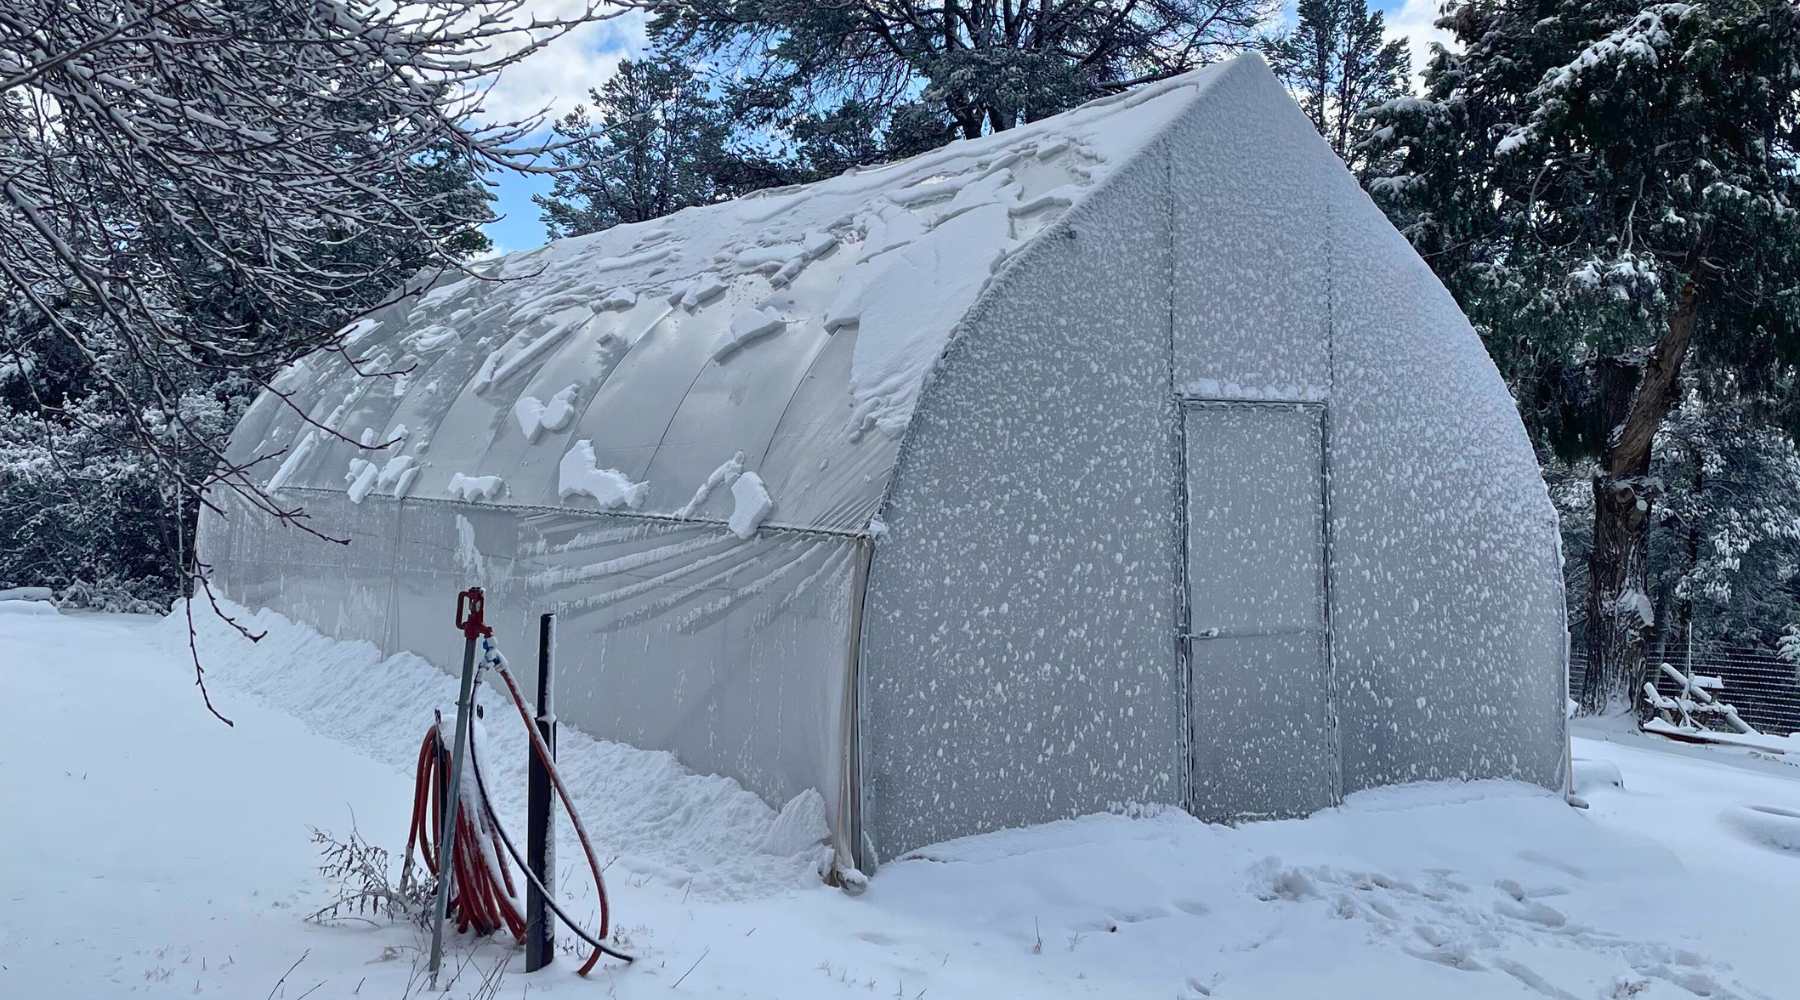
(196, 191)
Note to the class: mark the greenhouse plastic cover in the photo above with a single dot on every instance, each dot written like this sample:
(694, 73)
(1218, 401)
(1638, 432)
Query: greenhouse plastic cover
(867, 494)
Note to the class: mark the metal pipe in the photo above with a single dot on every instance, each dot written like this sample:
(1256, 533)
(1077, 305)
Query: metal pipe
(540, 835)
(452, 803)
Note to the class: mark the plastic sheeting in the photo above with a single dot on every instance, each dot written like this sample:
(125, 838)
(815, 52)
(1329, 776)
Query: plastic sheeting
(730, 654)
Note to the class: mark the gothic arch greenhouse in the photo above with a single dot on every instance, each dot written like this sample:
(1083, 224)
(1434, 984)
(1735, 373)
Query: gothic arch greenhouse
(1129, 456)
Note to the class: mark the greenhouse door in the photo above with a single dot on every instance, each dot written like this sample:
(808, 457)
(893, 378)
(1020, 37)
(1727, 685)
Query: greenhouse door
(1260, 720)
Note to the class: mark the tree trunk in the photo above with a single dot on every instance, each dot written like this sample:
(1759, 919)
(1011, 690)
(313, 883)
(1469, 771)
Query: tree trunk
(1633, 401)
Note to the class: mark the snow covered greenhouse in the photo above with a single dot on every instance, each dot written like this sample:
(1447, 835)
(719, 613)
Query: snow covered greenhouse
(1130, 456)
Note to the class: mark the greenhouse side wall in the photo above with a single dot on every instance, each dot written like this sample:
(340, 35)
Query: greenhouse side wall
(731, 654)
(1018, 646)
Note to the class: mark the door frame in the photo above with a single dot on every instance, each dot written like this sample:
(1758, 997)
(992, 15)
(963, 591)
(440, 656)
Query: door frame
(1184, 620)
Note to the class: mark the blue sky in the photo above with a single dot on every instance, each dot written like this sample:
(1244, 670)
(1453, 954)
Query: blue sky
(561, 75)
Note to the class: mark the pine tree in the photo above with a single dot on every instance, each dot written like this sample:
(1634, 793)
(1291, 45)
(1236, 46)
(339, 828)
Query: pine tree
(654, 143)
(981, 65)
(1612, 192)
(1340, 66)
(1726, 540)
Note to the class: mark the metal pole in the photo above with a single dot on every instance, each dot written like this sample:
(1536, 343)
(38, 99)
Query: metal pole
(540, 836)
(447, 836)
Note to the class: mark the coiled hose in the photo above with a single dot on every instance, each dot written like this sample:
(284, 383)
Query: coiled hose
(485, 899)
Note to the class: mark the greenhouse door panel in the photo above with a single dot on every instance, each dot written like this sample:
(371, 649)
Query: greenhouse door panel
(1256, 644)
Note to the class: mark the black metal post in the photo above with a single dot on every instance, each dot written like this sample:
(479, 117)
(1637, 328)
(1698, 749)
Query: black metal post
(540, 837)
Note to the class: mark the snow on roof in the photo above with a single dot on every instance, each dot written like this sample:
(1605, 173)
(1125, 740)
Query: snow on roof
(625, 369)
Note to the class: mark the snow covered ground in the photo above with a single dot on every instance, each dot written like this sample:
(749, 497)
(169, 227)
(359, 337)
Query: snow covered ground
(146, 849)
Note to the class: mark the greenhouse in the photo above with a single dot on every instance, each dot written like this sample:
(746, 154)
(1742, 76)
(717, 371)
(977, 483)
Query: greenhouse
(1126, 457)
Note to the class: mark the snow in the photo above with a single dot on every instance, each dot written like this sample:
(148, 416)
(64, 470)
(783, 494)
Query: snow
(535, 416)
(1637, 42)
(362, 477)
(473, 488)
(296, 456)
(162, 854)
(753, 325)
(610, 488)
(890, 350)
(619, 298)
(750, 504)
(728, 471)
(356, 331)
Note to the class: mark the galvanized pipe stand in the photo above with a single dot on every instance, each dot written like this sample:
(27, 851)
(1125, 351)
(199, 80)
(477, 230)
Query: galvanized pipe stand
(470, 605)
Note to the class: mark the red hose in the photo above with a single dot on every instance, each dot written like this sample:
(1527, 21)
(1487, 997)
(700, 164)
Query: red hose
(483, 898)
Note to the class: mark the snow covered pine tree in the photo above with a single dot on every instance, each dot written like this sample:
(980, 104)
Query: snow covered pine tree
(1611, 191)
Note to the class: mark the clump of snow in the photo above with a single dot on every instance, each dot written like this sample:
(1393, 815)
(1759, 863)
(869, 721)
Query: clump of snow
(536, 416)
(473, 488)
(358, 330)
(296, 456)
(750, 505)
(745, 327)
(727, 471)
(578, 476)
(1061, 197)
(497, 370)
(26, 594)
(619, 298)
(25, 607)
(362, 476)
(397, 474)
(560, 408)
(1592, 775)
(699, 292)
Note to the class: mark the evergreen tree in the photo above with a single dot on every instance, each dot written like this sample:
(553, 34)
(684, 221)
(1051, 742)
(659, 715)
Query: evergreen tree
(1612, 192)
(654, 143)
(1340, 66)
(1726, 540)
(981, 65)
(660, 138)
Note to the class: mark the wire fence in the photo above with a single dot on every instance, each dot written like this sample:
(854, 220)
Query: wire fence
(1763, 687)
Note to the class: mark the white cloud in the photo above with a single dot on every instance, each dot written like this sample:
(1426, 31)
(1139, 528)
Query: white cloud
(560, 75)
(1413, 22)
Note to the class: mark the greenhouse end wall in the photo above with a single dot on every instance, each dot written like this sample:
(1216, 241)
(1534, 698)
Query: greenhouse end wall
(731, 654)
(1447, 639)
(1019, 660)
